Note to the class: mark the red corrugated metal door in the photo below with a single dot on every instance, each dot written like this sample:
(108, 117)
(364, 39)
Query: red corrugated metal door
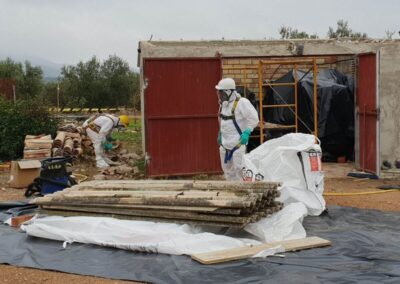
(181, 110)
(367, 98)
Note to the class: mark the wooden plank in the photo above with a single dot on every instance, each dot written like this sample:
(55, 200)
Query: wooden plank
(248, 251)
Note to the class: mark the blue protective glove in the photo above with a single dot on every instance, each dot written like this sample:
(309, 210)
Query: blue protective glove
(107, 146)
(244, 138)
(219, 138)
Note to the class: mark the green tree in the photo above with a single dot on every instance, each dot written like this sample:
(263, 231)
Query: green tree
(28, 78)
(343, 30)
(96, 84)
(290, 33)
(118, 82)
(20, 119)
(81, 84)
(49, 94)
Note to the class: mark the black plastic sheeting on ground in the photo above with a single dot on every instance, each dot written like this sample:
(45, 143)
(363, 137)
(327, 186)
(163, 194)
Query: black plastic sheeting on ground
(15, 208)
(365, 249)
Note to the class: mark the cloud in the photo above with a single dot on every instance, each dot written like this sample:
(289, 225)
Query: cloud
(69, 31)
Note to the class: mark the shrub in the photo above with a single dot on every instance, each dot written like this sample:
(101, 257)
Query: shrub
(23, 118)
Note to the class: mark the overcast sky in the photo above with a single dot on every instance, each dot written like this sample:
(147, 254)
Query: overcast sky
(66, 31)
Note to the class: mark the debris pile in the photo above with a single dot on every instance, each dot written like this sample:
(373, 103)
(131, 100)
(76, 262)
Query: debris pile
(217, 203)
(123, 165)
(37, 147)
(67, 144)
(68, 141)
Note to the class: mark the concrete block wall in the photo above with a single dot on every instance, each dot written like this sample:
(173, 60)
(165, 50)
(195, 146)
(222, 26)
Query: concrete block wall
(389, 103)
(249, 77)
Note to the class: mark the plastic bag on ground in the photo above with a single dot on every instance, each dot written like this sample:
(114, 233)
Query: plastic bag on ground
(281, 226)
(295, 160)
(141, 236)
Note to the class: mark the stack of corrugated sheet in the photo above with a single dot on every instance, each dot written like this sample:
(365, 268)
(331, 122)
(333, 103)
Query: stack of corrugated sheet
(219, 203)
(67, 144)
(37, 147)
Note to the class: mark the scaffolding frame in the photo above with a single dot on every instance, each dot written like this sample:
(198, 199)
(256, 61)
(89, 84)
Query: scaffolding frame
(262, 66)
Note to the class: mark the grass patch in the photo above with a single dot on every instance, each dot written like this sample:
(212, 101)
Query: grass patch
(132, 135)
(131, 139)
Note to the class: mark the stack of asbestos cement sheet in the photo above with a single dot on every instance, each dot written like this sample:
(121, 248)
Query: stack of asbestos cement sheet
(217, 203)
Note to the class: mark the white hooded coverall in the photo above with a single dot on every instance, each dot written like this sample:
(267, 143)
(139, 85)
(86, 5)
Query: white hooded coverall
(246, 117)
(105, 123)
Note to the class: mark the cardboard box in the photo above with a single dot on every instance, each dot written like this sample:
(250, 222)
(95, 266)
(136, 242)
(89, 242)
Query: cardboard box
(23, 172)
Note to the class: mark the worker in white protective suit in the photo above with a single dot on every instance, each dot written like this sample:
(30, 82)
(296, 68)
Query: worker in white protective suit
(98, 127)
(237, 119)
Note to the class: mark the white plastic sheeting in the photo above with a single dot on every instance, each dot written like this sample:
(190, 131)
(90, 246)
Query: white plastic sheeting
(283, 225)
(295, 160)
(141, 236)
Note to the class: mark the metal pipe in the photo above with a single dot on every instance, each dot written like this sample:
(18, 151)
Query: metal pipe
(295, 98)
(260, 95)
(279, 84)
(283, 105)
(239, 68)
(315, 98)
(290, 62)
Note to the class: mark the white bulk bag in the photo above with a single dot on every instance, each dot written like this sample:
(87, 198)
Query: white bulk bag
(295, 160)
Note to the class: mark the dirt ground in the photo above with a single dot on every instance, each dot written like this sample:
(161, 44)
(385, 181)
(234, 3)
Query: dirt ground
(336, 181)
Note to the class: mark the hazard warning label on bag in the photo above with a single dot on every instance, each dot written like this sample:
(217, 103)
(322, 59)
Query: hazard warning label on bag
(247, 174)
(315, 160)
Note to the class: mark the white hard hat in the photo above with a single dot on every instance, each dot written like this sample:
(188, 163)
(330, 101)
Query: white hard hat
(226, 84)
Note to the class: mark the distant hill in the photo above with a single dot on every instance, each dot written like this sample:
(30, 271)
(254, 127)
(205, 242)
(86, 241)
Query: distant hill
(50, 79)
(50, 69)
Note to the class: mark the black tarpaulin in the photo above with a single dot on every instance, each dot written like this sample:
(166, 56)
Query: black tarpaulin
(335, 109)
(365, 249)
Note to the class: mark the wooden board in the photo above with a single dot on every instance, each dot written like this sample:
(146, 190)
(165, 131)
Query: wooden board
(249, 251)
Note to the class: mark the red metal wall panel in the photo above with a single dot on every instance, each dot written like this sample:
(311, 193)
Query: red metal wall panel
(367, 112)
(6, 88)
(181, 116)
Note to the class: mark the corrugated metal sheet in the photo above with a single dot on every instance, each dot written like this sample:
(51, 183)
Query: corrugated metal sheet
(181, 122)
(367, 112)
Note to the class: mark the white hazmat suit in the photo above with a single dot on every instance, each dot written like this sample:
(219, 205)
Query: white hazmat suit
(97, 128)
(246, 117)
